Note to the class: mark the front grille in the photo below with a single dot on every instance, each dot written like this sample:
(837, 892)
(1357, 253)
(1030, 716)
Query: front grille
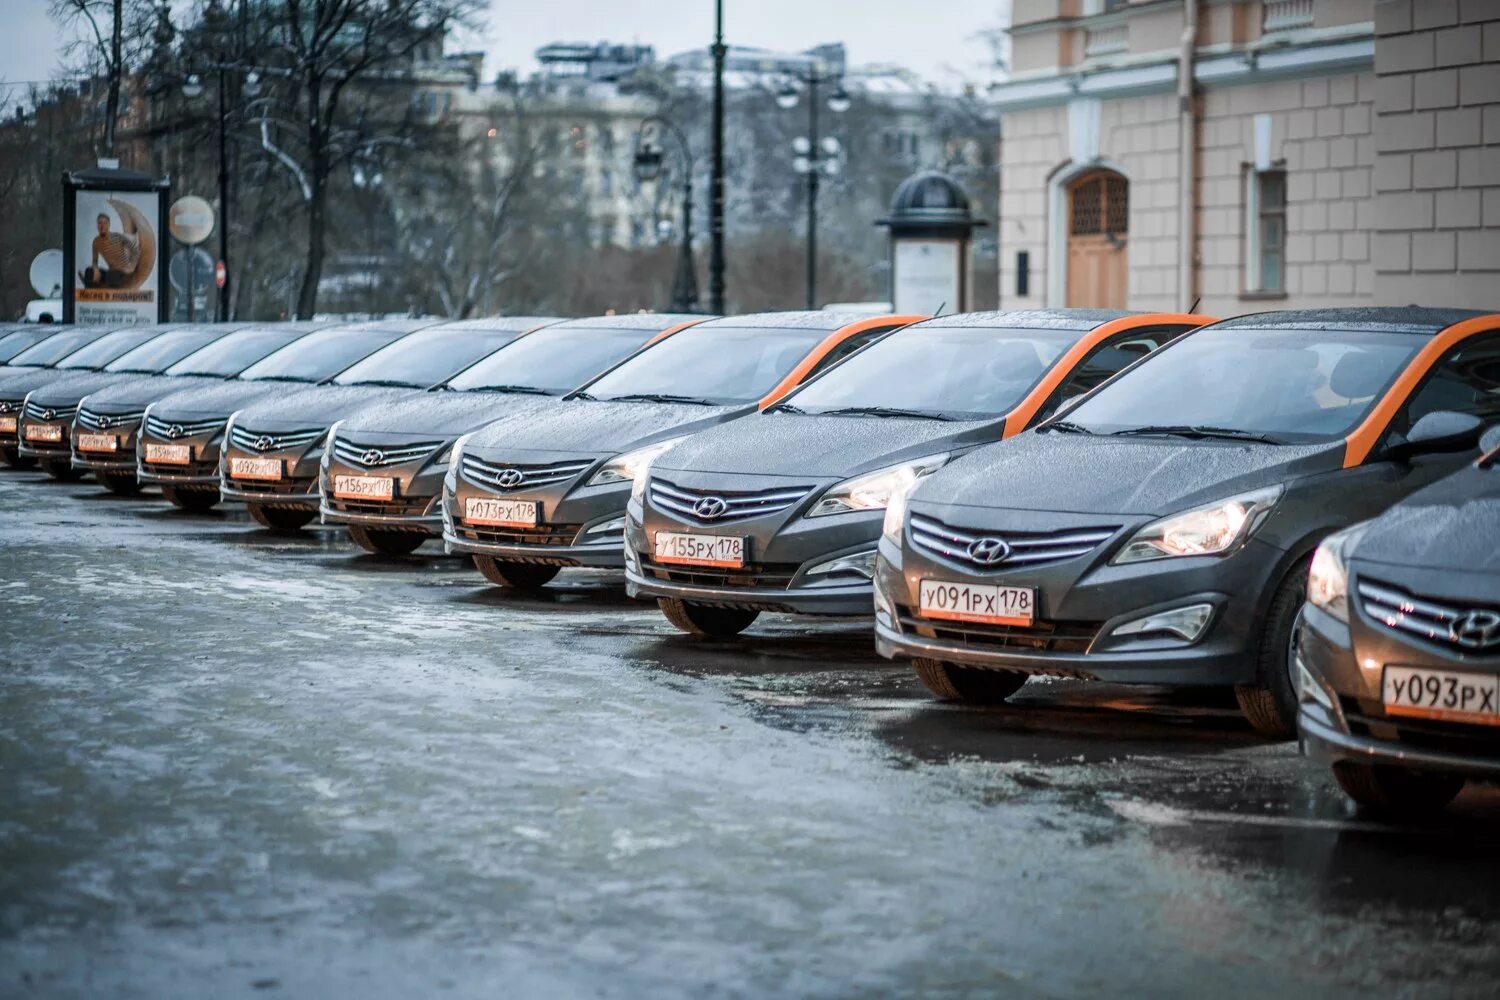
(542, 535)
(193, 468)
(1039, 636)
(373, 456)
(1022, 548)
(767, 576)
(106, 421)
(260, 441)
(399, 507)
(724, 505)
(1368, 719)
(1470, 627)
(159, 428)
(36, 411)
(10, 406)
(270, 488)
(503, 477)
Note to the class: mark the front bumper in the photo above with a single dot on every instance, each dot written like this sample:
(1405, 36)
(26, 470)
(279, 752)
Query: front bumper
(430, 521)
(301, 494)
(568, 535)
(606, 554)
(841, 599)
(121, 460)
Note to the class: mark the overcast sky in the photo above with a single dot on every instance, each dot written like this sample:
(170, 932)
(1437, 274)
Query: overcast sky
(937, 39)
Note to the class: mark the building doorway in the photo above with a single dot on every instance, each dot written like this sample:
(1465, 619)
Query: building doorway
(1098, 234)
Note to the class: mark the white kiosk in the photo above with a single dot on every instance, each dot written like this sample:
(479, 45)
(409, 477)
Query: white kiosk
(931, 228)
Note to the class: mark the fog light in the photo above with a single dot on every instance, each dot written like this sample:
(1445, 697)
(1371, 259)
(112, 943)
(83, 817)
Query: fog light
(885, 612)
(632, 561)
(860, 563)
(1186, 623)
(613, 529)
(1308, 688)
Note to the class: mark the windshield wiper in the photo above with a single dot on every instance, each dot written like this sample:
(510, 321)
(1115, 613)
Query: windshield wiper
(590, 397)
(530, 389)
(1198, 431)
(280, 378)
(386, 383)
(887, 411)
(658, 397)
(1064, 427)
(786, 408)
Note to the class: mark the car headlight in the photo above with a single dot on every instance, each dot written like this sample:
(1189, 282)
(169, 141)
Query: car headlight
(1328, 580)
(627, 468)
(874, 490)
(328, 451)
(1212, 529)
(224, 452)
(450, 478)
(895, 513)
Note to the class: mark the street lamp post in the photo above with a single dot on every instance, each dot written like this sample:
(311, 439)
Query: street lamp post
(648, 167)
(716, 172)
(814, 156)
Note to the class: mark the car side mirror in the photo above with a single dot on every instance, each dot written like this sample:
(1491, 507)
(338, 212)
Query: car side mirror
(1440, 431)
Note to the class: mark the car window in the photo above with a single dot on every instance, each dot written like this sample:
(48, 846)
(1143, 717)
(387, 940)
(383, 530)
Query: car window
(552, 360)
(720, 364)
(1467, 380)
(55, 348)
(857, 342)
(319, 356)
(108, 347)
(425, 358)
(232, 354)
(14, 343)
(1106, 361)
(163, 351)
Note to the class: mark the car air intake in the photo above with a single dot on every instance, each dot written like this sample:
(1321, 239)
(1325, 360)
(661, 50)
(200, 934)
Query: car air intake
(998, 551)
(372, 456)
(104, 421)
(720, 506)
(248, 440)
(505, 477)
(1469, 627)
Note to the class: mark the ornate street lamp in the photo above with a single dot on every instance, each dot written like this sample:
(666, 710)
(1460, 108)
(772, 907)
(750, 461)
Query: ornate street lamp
(811, 156)
(648, 162)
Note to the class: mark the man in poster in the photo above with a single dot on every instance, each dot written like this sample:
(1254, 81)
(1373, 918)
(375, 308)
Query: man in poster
(120, 252)
(117, 253)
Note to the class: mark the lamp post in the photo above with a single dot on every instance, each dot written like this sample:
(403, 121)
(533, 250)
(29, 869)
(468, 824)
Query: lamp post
(716, 171)
(814, 156)
(648, 166)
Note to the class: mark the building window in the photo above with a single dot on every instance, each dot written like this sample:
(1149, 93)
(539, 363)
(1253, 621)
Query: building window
(1265, 229)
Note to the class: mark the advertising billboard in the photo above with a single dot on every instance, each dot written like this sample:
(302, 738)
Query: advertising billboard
(115, 246)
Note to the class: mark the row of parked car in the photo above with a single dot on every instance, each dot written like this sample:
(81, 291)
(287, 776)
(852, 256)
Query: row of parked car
(1303, 506)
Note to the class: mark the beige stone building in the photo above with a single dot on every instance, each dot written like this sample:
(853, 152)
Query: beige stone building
(1250, 153)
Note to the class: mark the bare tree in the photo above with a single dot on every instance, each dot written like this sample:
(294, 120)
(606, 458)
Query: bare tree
(112, 34)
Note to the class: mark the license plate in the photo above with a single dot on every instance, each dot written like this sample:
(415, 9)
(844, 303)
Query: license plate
(8, 424)
(255, 468)
(967, 602)
(700, 550)
(1450, 695)
(44, 432)
(97, 442)
(169, 454)
(364, 487)
(501, 513)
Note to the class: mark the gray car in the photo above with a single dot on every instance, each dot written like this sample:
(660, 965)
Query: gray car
(1160, 530)
(384, 467)
(18, 337)
(1398, 653)
(798, 492)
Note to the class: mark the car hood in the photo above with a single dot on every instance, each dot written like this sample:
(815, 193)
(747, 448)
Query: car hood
(1454, 524)
(441, 414)
(218, 399)
(136, 391)
(20, 382)
(316, 406)
(789, 444)
(68, 391)
(580, 426)
(1102, 475)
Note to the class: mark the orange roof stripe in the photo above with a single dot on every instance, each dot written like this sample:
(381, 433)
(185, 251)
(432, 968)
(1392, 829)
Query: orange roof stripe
(828, 343)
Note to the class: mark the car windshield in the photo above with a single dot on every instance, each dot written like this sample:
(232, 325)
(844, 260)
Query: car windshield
(552, 360)
(1292, 386)
(232, 354)
(715, 364)
(319, 356)
(108, 347)
(54, 348)
(14, 343)
(425, 358)
(961, 372)
(164, 351)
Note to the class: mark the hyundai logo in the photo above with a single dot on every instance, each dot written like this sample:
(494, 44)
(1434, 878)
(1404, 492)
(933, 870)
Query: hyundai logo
(48, 414)
(509, 479)
(709, 508)
(989, 551)
(373, 457)
(175, 431)
(265, 443)
(1476, 629)
(104, 423)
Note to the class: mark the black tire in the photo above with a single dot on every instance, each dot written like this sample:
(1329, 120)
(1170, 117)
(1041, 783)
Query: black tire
(705, 620)
(385, 542)
(121, 484)
(1396, 791)
(513, 575)
(952, 682)
(1271, 704)
(193, 499)
(13, 458)
(283, 520)
(61, 469)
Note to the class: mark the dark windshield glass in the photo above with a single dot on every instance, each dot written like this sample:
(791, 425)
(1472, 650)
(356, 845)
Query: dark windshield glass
(14, 343)
(955, 371)
(320, 355)
(426, 358)
(56, 348)
(553, 360)
(232, 354)
(722, 364)
(164, 351)
(108, 347)
(1292, 385)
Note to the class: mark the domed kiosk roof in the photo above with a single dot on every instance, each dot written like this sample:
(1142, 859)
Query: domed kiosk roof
(930, 200)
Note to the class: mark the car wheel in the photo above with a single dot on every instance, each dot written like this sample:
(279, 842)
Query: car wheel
(514, 575)
(280, 519)
(384, 542)
(1271, 705)
(1394, 790)
(705, 620)
(16, 460)
(121, 484)
(191, 499)
(952, 682)
(61, 469)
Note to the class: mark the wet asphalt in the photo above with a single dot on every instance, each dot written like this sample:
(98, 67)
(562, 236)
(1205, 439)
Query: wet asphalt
(237, 764)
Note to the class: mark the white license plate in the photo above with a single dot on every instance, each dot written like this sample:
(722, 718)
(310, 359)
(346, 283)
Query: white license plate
(97, 442)
(1450, 695)
(700, 550)
(967, 602)
(43, 432)
(364, 487)
(8, 424)
(169, 454)
(501, 513)
(255, 468)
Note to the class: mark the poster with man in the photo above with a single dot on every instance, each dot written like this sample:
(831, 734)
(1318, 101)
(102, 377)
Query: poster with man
(116, 249)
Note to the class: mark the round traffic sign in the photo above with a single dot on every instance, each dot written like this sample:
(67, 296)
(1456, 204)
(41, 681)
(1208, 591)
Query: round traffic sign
(191, 219)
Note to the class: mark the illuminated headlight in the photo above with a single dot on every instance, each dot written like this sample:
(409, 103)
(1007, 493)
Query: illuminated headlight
(1214, 529)
(608, 531)
(1185, 623)
(1328, 580)
(860, 563)
(628, 468)
(873, 490)
(895, 513)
